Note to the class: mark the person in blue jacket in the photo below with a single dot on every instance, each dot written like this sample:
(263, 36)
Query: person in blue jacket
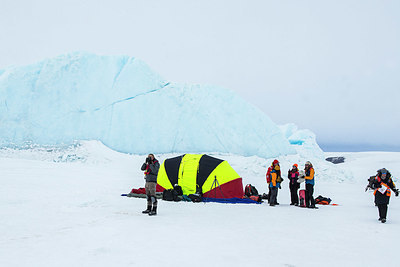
(310, 182)
(275, 184)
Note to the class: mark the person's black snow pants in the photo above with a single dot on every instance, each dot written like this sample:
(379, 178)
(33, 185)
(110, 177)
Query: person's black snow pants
(383, 208)
(269, 194)
(294, 197)
(309, 196)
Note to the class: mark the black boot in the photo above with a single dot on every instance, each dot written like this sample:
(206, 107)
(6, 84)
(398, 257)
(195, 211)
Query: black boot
(153, 211)
(148, 210)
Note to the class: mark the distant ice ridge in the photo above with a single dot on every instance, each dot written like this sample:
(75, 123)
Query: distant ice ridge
(252, 169)
(121, 102)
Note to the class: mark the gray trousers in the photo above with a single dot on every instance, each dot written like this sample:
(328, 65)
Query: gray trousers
(151, 193)
(274, 196)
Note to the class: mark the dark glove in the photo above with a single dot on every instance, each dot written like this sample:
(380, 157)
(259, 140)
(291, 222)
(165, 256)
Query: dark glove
(147, 160)
(396, 192)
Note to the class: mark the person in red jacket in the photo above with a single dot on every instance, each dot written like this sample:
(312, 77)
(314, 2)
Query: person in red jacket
(276, 180)
(293, 176)
(382, 184)
(268, 177)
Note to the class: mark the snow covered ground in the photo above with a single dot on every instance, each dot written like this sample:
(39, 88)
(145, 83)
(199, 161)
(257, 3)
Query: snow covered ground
(63, 208)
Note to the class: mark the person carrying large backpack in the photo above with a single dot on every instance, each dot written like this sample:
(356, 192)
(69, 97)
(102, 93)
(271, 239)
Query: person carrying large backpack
(293, 176)
(268, 177)
(310, 182)
(276, 179)
(382, 184)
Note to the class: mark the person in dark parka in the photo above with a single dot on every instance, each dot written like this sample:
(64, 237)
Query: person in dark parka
(382, 184)
(293, 176)
(151, 167)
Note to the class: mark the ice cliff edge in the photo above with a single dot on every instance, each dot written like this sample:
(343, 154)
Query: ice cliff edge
(121, 102)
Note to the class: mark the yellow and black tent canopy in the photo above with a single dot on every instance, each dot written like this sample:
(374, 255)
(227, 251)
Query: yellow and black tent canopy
(214, 177)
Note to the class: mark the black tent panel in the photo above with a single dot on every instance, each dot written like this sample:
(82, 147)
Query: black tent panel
(172, 168)
(206, 165)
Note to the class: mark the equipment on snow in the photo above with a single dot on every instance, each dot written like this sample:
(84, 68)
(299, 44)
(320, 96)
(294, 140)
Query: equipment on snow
(250, 190)
(195, 197)
(171, 195)
(256, 198)
(323, 200)
(302, 198)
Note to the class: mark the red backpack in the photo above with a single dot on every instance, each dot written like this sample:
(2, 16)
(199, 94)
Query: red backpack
(268, 174)
(250, 190)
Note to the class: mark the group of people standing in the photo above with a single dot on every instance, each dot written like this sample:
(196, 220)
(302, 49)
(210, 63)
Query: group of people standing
(381, 183)
(274, 180)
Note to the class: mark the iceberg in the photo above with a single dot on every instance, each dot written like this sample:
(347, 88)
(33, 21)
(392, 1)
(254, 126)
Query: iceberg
(303, 141)
(121, 102)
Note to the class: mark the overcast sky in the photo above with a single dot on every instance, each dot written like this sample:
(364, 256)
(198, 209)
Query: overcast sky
(329, 66)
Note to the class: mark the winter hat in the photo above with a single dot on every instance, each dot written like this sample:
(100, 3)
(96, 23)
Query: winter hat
(382, 172)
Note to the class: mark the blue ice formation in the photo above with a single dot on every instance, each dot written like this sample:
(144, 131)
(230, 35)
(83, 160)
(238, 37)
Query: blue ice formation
(121, 102)
(304, 141)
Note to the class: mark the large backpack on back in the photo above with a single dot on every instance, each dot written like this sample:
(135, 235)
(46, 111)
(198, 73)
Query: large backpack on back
(268, 175)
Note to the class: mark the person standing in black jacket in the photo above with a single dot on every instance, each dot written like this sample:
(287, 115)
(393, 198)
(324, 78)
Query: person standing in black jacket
(293, 176)
(382, 184)
(151, 167)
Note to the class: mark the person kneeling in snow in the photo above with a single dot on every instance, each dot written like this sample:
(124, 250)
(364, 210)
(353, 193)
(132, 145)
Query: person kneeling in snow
(151, 167)
(382, 185)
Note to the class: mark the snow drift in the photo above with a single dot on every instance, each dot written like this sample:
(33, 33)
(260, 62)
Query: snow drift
(121, 102)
